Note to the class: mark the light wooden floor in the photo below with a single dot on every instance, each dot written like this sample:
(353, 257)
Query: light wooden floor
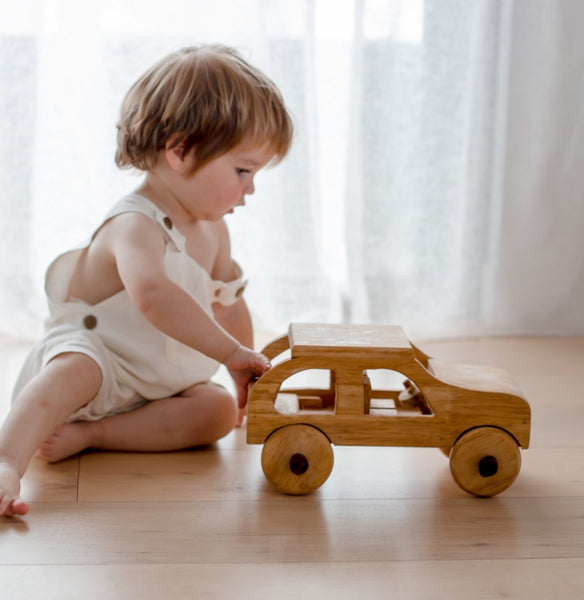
(389, 522)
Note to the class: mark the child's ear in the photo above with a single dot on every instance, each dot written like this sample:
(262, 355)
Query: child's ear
(175, 155)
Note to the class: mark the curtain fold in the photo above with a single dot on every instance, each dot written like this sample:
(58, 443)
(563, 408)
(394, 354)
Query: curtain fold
(538, 276)
(425, 140)
(435, 179)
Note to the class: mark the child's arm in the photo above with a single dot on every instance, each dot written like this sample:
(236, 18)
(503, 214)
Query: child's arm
(237, 321)
(234, 318)
(138, 251)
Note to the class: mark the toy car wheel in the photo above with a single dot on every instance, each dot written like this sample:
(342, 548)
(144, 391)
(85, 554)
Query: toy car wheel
(485, 461)
(297, 459)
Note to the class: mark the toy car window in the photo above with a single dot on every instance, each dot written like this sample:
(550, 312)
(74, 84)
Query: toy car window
(308, 390)
(390, 393)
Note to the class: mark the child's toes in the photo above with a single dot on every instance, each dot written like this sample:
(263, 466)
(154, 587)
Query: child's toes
(20, 507)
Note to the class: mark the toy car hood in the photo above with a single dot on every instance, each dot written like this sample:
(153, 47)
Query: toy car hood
(479, 378)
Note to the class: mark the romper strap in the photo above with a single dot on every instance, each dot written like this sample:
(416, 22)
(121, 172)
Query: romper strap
(140, 204)
(227, 293)
(59, 272)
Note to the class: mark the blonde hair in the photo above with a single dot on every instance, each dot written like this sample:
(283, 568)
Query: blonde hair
(208, 98)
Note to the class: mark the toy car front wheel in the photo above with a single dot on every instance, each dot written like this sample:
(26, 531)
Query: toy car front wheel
(485, 461)
(297, 459)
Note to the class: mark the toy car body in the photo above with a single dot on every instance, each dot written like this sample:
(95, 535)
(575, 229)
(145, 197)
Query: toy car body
(477, 415)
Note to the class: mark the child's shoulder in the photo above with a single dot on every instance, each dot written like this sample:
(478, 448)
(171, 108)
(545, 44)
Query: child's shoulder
(135, 214)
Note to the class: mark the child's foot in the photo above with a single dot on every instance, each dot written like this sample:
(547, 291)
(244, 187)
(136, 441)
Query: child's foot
(10, 502)
(68, 440)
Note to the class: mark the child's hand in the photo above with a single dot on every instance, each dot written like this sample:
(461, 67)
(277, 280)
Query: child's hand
(244, 365)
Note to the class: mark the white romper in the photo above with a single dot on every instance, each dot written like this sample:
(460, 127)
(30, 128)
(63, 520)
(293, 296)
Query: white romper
(138, 362)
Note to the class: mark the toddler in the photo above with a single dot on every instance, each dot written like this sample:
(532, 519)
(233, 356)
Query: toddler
(142, 316)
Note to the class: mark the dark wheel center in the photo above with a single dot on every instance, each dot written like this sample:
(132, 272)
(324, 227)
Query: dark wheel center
(298, 464)
(488, 466)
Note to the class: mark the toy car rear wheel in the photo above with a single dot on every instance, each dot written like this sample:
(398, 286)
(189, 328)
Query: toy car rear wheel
(297, 459)
(485, 461)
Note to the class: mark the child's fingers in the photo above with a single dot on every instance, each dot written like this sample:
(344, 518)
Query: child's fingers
(262, 363)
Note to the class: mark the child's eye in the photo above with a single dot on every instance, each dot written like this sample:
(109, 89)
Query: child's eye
(240, 171)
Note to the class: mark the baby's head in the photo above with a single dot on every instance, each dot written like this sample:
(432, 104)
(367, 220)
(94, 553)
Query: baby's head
(206, 98)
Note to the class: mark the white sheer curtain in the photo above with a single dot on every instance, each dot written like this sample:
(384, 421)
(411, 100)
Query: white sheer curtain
(435, 179)
(537, 266)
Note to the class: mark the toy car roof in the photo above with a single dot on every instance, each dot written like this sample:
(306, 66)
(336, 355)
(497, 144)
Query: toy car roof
(351, 341)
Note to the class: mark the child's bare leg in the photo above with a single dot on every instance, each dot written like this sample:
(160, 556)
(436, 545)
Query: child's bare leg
(68, 382)
(200, 415)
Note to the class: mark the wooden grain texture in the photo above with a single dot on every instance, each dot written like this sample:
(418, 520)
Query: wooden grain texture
(297, 459)
(388, 522)
(477, 579)
(296, 529)
(306, 339)
(448, 401)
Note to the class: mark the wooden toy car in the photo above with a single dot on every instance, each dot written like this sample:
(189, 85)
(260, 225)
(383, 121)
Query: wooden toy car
(476, 415)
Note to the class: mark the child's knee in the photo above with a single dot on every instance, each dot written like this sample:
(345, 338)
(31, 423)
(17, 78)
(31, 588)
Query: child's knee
(212, 414)
(226, 411)
(77, 367)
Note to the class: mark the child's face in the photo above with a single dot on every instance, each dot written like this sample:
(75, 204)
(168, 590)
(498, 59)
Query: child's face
(222, 184)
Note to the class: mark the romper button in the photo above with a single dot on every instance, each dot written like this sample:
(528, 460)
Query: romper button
(90, 322)
(167, 223)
